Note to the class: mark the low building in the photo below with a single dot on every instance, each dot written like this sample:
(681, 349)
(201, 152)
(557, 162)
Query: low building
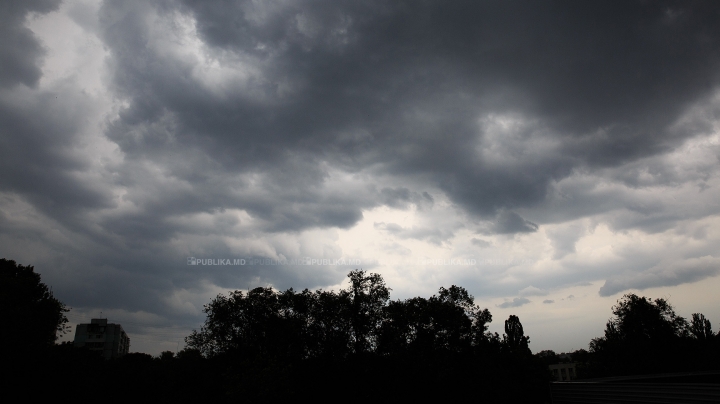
(107, 339)
(563, 372)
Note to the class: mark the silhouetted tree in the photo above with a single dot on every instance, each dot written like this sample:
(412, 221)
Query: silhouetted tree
(31, 316)
(254, 322)
(271, 345)
(701, 328)
(641, 329)
(166, 355)
(446, 321)
(548, 357)
(640, 320)
(329, 324)
(369, 295)
(189, 354)
(514, 338)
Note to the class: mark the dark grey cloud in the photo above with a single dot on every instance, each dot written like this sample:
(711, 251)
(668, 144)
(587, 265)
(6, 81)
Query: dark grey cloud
(20, 50)
(564, 239)
(509, 223)
(516, 302)
(432, 235)
(284, 118)
(38, 158)
(40, 128)
(691, 270)
(480, 243)
(402, 197)
(548, 301)
(406, 87)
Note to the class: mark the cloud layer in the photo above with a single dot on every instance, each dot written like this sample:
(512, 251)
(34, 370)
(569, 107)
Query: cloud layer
(552, 144)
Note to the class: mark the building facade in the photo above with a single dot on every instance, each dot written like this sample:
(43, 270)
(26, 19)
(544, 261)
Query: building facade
(107, 339)
(563, 372)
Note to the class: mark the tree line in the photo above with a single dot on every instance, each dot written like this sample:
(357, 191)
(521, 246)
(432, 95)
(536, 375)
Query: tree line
(285, 342)
(294, 325)
(354, 344)
(646, 336)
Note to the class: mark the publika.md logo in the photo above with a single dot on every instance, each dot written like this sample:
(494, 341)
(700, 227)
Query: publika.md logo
(192, 261)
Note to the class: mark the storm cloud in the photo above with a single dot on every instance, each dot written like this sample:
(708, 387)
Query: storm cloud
(551, 143)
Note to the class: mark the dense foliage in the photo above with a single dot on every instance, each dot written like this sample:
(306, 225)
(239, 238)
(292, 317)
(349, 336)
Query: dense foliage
(353, 344)
(31, 316)
(278, 343)
(647, 336)
(326, 324)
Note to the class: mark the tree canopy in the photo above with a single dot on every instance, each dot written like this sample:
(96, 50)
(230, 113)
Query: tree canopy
(359, 319)
(701, 328)
(27, 304)
(647, 336)
(514, 337)
(272, 338)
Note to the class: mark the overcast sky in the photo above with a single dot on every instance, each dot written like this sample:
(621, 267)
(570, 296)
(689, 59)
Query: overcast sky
(547, 156)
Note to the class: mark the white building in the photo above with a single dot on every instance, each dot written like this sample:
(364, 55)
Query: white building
(108, 339)
(563, 371)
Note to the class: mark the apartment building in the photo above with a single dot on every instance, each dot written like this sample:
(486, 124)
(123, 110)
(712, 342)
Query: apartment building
(107, 339)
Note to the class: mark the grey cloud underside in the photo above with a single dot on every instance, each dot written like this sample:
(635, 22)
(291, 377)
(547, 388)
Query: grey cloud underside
(516, 302)
(432, 235)
(510, 223)
(533, 291)
(480, 243)
(20, 50)
(563, 240)
(402, 87)
(488, 102)
(38, 128)
(691, 270)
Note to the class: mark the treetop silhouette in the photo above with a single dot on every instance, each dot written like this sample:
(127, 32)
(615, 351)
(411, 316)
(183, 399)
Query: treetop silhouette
(361, 319)
(27, 304)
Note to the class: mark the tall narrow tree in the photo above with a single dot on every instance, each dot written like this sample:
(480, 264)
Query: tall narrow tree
(514, 338)
(700, 327)
(369, 296)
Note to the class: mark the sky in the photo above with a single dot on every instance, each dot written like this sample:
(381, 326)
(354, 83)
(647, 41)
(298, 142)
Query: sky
(549, 157)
